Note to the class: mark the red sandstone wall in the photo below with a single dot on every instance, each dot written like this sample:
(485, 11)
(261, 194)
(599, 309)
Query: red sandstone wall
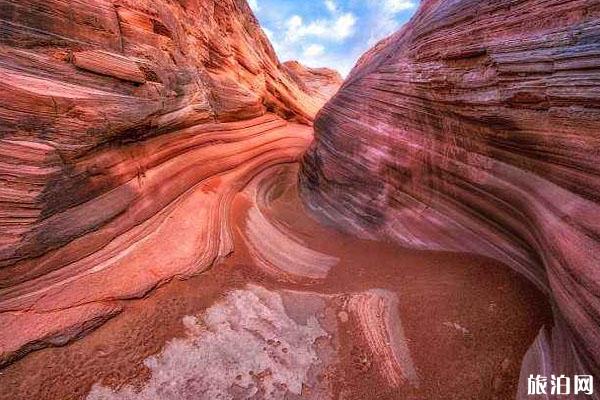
(321, 83)
(125, 127)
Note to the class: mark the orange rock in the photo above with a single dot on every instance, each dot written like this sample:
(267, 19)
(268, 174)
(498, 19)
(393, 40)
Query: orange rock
(322, 83)
(126, 128)
(376, 313)
(109, 64)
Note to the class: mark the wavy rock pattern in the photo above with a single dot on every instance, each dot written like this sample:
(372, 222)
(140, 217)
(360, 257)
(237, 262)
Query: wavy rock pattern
(376, 312)
(322, 83)
(377, 303)
(277, 249)
(475, 128)
(126, 129)
(149, 239)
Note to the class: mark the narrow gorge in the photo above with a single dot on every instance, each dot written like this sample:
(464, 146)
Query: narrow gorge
(184, 216)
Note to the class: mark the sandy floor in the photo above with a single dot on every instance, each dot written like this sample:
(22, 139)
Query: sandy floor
(466, 322)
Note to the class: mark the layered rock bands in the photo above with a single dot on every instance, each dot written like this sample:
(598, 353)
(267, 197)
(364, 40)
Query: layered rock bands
(476, 128)
(125, 129)
(321, 83)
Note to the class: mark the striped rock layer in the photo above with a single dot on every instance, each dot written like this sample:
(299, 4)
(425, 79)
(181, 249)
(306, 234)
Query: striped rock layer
(476, 128)
(126, 127)
(321, 83)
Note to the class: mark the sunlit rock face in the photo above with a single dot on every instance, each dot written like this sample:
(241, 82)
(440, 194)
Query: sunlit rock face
(476, 128)
(126, 126)
(322, 83)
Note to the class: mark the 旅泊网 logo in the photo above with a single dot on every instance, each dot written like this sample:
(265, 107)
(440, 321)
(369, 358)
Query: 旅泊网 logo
(560, 385)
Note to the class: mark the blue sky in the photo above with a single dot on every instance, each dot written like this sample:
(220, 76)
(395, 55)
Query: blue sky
(329, 33)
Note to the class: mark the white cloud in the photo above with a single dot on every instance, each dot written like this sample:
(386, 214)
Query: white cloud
(344, 26)
(279, 49)
(314, 50)
(253, 5)
(384, 17)
(306, 42)
(331, 6)
(396, 6)
(343, 30)
(268, 32)
(294, 23)
(338, 28)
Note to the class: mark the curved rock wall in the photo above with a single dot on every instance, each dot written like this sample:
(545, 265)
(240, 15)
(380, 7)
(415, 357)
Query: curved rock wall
(476, 128)
(125, 128)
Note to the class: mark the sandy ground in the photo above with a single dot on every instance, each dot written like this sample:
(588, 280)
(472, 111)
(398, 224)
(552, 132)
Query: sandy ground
(466, 321)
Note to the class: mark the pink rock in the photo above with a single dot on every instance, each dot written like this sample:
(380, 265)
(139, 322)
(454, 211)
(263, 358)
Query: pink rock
(475, 128)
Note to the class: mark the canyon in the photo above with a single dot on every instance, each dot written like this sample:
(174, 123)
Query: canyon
(172, 228)
(487, 144)
(112, 116)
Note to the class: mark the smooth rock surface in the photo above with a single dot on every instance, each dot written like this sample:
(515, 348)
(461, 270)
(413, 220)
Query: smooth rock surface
(476, 128)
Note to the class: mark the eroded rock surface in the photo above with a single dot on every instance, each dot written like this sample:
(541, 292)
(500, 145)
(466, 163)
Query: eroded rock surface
(264, 344)
(143, 141)
(126, 127)
(376, 312)
(246, 346)
(322, 83)
(476, 128)
(380, 323)
(277, 249)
